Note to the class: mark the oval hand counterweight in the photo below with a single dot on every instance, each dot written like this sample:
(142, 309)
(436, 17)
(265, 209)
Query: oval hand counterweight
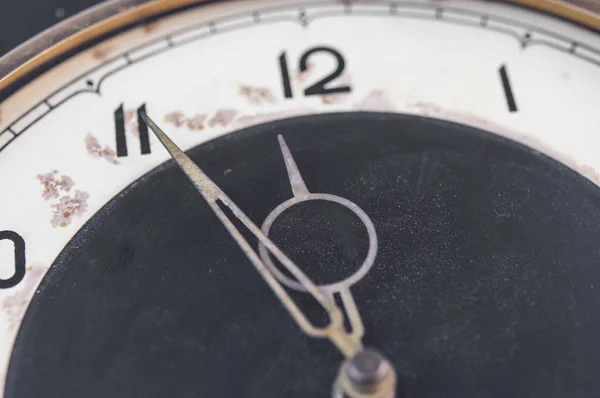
(302, 194)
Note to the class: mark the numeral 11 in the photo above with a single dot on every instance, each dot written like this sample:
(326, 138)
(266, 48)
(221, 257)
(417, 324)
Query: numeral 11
(120, 131)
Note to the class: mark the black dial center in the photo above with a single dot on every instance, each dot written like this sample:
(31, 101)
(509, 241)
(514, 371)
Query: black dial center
(486, 281)
(326, 240)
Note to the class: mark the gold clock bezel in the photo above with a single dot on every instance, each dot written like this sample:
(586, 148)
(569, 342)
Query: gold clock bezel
(101, 20)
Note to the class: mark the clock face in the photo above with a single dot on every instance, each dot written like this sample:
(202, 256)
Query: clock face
(417, 178)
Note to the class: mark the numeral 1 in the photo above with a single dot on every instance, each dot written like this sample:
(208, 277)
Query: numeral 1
(120, 131)
(285, 76)
(510, 98)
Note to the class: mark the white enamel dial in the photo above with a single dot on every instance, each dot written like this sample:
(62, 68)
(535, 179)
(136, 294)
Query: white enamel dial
(70, 140)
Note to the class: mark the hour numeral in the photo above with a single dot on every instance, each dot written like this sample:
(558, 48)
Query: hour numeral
(19, 259)
(120, 131)
(510, 98)
(320, 87)
(285, 76)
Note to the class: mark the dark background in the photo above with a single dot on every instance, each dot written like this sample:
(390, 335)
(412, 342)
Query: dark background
(22, 19)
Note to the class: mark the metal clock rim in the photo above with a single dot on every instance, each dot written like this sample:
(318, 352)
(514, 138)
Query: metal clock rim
(115, 14)
(79, 30)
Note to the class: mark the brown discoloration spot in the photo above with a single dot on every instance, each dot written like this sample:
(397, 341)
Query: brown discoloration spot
(590, 173)
(223, 117)
(150, 27)
(196, 123)
(344, 80)
(15, 305)
(101, 53)
(131, 122)
(426, 108)
(53, 184)
(302, 76)
(130, 115)
(179, 119)
(95, 149)
(251, 120)
(66, 206)
(376, 100)
(176, 118)
(256, 95)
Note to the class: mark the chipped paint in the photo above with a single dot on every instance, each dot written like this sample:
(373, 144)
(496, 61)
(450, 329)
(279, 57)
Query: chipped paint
(101, 53)
(68, 207)
(256, 95)
(15, 305)
(65, 207)
(131, 122)
(223, 117)
(94, 148)
(53, 184)
(175, 118)
(179, 119)
(303, 76)
(196, 123)
(376, 100)
(257, 118)
(337, 98)
(150, 27)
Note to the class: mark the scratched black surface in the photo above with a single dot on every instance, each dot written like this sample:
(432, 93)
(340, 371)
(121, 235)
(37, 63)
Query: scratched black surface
(486, 282)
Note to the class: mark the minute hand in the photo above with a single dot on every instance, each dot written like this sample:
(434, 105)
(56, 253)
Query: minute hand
(335, 330)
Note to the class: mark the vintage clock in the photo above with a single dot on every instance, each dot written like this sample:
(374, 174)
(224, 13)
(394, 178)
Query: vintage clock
(362, 199)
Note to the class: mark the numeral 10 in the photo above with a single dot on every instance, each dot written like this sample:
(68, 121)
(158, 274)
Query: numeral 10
(18, 259)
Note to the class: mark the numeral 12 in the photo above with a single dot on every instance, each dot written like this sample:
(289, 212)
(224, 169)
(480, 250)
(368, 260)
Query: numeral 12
(320, 87)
